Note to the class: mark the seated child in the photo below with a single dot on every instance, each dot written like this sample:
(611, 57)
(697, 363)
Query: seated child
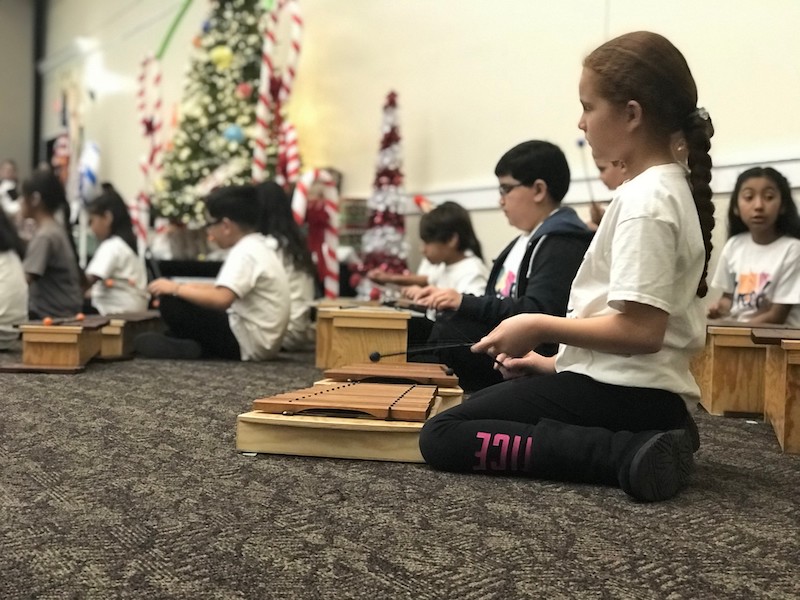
(13, 287)
(759, 268)
(452, 251)
(116, 273)
(612, 174)
(244, 314)
(532, 275)
(51, 259)
(279, 225)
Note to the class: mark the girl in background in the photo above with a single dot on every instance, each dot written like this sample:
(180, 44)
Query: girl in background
(13, 286)
(116, 273)
(451, 247)
(51, 259)
(278, 224)
(610, 406)
(759, 268)
(612, 174)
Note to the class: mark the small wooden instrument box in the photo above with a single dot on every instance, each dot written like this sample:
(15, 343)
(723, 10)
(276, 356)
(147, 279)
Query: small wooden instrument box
(384, 423)
(66, 345)
(782, 385)
(347, 335)
(730, 371)
(123, 328)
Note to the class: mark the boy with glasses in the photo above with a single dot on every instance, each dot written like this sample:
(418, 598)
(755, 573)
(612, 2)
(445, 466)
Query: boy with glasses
(534, 272)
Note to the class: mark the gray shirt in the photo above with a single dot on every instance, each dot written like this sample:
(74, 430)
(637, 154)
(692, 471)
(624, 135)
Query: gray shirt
(56, 289)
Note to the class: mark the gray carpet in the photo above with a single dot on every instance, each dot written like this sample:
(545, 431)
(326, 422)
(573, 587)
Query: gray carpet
(123, 482)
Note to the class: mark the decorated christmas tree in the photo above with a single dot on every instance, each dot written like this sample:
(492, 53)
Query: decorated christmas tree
(216, 132)
(383, 245)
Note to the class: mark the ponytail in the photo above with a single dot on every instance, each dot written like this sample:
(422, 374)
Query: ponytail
(698, 130)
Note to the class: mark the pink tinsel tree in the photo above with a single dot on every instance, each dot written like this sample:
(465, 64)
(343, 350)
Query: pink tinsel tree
(383, 244)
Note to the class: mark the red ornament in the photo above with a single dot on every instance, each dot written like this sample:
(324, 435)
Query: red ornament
(355, 279)
(244, 91)
(374, 294)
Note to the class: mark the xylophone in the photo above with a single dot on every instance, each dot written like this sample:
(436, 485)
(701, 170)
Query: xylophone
(391, 402)
(353, 417)
(349, 333)
(121, 330)
(63, 345)
(66, 345)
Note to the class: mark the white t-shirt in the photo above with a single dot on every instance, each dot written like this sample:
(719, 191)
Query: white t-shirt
(425, 268)
(506, 282)
(467, 276)
(299, 333)
(13, 296)
(260, 314)
(648, 249)
(753, 273)
(114, 259)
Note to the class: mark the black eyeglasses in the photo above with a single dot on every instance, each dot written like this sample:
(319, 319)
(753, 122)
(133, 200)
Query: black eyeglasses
(505, 188)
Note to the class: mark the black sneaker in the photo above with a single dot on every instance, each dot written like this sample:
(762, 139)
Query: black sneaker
(158, 345)
(690, 427)
(661, 466)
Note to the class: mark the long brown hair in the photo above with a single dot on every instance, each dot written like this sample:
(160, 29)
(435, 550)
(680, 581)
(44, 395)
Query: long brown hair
(647, 68)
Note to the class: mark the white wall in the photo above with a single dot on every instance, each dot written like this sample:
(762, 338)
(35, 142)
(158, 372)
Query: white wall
(16, 73)
(473, 78)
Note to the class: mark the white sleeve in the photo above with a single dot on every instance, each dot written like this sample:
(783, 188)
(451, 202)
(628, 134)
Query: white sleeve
(104, 262)
(787, 277)
(238, 273)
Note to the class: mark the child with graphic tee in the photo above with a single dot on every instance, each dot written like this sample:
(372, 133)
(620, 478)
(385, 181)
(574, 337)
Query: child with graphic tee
(759, 268)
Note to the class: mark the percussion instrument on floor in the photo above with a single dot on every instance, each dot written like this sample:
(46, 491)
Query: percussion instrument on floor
(122, 329)
(730, 371)
(62, 345)
(352, 332)
(782, 384)
(361, 411)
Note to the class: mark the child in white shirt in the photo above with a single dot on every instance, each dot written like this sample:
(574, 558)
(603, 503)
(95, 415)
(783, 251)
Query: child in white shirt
(759, 268)
(116, 273)
(244, 314)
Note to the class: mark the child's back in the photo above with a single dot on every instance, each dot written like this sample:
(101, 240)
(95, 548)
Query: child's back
(260, 314)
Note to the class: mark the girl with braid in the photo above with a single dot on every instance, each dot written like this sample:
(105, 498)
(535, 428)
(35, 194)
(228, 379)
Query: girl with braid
(610, 406)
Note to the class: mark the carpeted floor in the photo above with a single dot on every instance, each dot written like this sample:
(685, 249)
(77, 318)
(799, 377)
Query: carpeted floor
(124, 482)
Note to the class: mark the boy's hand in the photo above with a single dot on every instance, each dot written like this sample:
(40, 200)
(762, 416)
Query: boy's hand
(515, 336)
(441, 299)
(163, 287)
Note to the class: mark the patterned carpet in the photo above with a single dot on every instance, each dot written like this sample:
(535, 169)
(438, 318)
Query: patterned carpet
(123, 482)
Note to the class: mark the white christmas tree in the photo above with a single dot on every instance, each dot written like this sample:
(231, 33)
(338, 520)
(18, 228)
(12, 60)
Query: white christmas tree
(383, 244)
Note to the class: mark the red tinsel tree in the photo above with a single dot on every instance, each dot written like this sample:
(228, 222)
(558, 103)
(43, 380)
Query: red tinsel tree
(383, 244)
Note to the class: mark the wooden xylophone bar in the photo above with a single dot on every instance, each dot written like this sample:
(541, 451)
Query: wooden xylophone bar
(382, 401)
(422, 373)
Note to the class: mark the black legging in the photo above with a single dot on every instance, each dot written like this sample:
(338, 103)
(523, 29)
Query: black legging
(494, 430)
(209, 328)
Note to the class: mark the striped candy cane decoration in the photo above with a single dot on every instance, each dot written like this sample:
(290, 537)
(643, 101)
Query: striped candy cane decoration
(270, 100)
(149, 107)
(327, 261)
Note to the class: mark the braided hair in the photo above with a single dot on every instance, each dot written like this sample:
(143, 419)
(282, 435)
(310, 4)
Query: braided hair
(647, 68)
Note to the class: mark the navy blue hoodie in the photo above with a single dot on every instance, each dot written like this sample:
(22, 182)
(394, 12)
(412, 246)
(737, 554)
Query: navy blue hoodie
(545, 274)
